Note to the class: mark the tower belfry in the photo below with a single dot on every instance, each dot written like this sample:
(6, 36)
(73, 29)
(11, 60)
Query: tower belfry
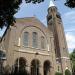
(51, 21)
(55, 26)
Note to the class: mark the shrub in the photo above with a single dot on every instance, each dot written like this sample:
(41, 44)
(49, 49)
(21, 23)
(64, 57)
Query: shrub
(67, 72)
(58, 73)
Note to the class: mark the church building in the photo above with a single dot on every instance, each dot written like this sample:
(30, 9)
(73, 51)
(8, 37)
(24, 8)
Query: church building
(42, 48)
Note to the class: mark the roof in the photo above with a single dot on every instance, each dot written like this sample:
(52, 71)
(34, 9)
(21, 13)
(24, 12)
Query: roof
(30, 19)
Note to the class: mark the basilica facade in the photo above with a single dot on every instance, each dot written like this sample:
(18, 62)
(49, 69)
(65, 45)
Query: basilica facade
(42, 48)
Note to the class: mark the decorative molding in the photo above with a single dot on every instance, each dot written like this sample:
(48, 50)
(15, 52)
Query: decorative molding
(64, 58)
(19, 41)
(48, 47)
(36, 48)
(33, 52)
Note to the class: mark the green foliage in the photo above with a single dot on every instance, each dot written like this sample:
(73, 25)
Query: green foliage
(74, 66)
(21, 71)
(72, 57)
(67, 72)
(58, 73)
(7, 70)
(15, 71)
(73, 69)
(70, 3)
(34, 1)
(8, 8)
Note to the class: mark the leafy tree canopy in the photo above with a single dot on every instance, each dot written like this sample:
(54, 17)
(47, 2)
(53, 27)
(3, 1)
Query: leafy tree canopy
(8, 8)
(70, 3)
(72, 56)
(58, 73)
(67, 72)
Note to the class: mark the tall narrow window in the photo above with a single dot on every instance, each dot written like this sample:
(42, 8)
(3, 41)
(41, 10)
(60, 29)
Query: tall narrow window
(42, 42)
(26, 38)
(34, 40)
(47, 67)
(35, 67)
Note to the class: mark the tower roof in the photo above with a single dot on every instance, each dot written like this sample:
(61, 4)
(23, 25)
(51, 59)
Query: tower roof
(51, 3)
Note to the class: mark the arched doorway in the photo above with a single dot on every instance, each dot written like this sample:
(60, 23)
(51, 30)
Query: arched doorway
(46, 67)
(20, 62)
(35, 67)
(20, 66)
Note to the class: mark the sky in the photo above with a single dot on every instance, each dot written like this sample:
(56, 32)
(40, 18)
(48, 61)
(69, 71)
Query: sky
(40, 12)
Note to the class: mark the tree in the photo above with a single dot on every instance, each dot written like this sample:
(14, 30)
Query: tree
(70, 3)
(67, 72)
(8, 8)
(72, 57)
(7, 70)
(58, 73)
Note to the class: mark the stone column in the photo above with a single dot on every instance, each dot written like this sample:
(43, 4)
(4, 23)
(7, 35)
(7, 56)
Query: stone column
(41, 70)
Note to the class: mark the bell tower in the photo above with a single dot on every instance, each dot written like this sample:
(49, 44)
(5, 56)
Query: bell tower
(55, 26)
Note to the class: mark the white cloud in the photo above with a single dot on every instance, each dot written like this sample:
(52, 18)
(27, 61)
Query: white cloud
(69, 13)
(69, 26)
(69, 19)
(70, 37)
(69, 16)
(70, 41)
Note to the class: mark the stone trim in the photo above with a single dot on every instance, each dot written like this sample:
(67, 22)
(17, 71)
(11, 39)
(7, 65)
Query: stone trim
(32, 52)
(64, 58)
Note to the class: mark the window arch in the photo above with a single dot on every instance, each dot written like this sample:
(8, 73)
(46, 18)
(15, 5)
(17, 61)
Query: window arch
(58, 16)
(47, 67)
(34, 39)
(42, 42)
(26, 39)
(19, 67)
(35, 65)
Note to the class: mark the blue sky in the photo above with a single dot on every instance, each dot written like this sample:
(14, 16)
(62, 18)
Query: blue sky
(40, 11)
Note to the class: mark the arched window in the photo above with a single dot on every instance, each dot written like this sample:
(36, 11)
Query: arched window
(20, 67)
(47, 67)
(26, 39)
(35, 67)
(42, 42)
(58, 15)
(50, 17)
(34, 40)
